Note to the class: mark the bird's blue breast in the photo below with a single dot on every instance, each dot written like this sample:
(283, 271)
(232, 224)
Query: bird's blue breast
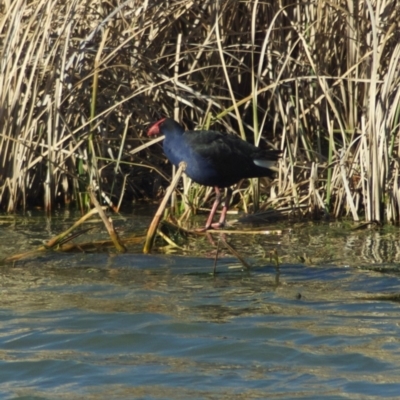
(198, 168)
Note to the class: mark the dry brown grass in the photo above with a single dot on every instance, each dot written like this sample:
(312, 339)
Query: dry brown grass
(80, 81)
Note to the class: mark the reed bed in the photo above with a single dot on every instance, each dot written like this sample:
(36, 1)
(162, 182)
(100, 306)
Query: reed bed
(81, 81)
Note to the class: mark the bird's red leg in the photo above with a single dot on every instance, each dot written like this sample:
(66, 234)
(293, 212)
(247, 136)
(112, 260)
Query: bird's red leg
(213, 208)
(227, 200)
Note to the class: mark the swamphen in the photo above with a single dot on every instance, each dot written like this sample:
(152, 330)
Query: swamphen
(214, 159)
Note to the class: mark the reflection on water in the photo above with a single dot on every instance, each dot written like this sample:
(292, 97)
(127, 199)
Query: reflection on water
(98, 326)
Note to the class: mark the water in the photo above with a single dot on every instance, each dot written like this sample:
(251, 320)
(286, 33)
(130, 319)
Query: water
(106, 326)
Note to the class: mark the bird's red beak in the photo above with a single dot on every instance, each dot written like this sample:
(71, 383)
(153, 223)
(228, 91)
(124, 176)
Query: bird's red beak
(155, 128)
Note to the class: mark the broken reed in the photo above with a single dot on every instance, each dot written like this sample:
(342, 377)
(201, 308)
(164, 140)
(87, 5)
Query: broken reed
(80, 82)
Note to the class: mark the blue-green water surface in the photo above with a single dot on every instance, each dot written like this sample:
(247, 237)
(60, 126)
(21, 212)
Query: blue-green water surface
(106, 326)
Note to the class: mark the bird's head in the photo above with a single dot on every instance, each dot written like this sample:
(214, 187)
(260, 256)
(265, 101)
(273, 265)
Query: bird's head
(155, 129)
(165, 126)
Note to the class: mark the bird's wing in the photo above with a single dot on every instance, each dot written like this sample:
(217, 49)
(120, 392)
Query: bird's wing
(217, 146)
(231, 149)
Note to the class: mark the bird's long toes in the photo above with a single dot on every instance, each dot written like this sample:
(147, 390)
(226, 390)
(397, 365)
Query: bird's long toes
(217, 225)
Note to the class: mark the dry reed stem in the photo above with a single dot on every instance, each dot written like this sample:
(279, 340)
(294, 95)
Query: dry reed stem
(160, 211)
(79, 82)
(107, 223)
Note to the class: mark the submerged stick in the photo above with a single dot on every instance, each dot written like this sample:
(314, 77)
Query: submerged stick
(97, 244)
(234, 252)
(216, 257)
(157, 217)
